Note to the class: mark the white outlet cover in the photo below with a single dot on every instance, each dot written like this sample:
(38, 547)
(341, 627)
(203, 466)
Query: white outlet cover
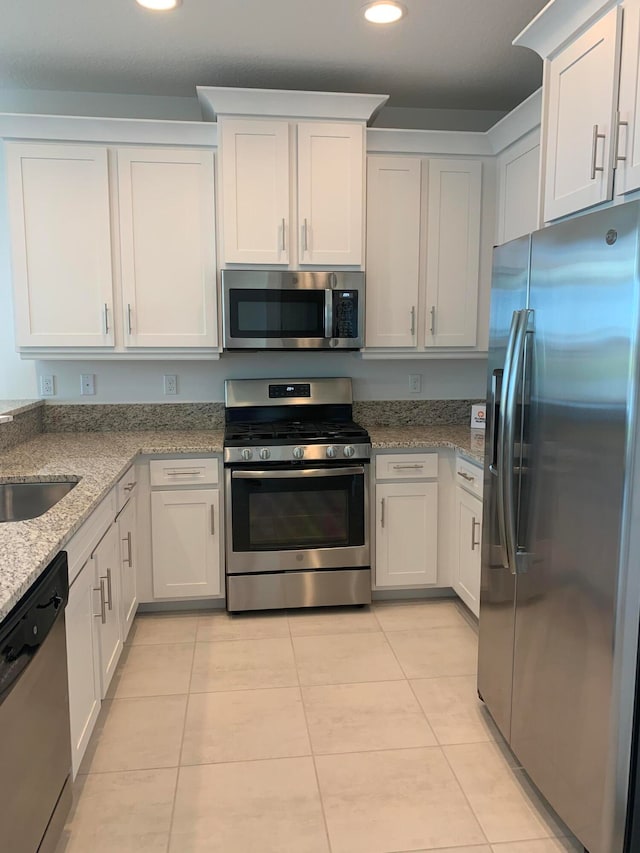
(170, 383)
(415, 383)
(47, 385)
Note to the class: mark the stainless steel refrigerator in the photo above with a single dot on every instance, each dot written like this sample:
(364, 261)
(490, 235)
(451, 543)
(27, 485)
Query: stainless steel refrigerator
(560, 592)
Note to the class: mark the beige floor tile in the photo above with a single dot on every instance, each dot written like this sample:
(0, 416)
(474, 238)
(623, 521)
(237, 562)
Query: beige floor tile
(153, 670)
(310, 623)
(121, 813)
(245, 725)
(498, 795)
(436, 652)
(357, 717)
(345, 659)
(543, 845)
(453, 709)
(418, 616)
(394, 800)
(476, 848)
(261, 806)
(244, 626)
(243, 665)
(154, 628)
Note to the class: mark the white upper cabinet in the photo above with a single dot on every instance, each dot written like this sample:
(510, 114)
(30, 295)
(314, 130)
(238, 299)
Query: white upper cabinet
(330, 193)
(60, 245)
(627, 156)
(167, 245)
(255, 191)
(320, 222)
(453, 252)
(582, 83)
(393, 251)
(518, 183)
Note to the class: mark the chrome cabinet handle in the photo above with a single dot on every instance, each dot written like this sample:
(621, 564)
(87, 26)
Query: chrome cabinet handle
(129, 317)
(412, 314)
(106, 319)
(185, 473)
(382, 512)
(474, 523)
(108, 580)
(127, 539)
(305, 236)
(466, 476)
(103, 605)
(130, 487)
(594, 151)
(213, 520)
(406, 467)
(616, 146)
(432, 327)
(283, 244)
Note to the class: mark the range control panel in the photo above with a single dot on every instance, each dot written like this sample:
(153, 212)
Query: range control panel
(298, 389)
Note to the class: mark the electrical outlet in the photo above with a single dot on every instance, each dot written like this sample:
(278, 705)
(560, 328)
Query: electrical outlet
(87, 384)
(47, 386)
(415, 383)
(170, 383)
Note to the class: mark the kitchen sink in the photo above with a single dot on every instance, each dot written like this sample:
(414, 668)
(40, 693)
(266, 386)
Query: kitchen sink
(19, 501)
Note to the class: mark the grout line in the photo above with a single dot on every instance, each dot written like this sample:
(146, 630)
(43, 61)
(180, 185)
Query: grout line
(313, 758)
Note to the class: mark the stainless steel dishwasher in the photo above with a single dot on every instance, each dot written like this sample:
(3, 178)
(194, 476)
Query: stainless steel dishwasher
(35, 746)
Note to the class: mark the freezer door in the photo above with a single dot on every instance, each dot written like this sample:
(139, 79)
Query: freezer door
(583, 292)
(495, 664)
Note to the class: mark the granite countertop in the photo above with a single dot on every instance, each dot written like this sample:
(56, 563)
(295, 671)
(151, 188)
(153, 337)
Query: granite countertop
(97, 461)
(15, 407)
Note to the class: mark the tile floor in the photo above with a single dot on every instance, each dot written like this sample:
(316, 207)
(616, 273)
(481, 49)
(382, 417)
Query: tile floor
(350, 731)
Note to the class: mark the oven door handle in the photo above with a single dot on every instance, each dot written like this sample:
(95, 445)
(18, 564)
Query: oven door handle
(293, 475)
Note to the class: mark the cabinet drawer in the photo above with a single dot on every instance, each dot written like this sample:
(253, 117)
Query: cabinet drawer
(184, 472)
(406, 466)
(125, 487)
(469, 476)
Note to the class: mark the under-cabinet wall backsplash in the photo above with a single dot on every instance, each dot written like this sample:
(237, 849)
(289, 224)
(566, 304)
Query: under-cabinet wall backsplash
(203, 381)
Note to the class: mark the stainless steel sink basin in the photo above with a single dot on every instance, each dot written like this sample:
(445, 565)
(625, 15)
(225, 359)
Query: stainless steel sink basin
(19, 501)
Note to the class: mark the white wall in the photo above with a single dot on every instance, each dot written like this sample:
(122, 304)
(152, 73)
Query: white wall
(136, 381)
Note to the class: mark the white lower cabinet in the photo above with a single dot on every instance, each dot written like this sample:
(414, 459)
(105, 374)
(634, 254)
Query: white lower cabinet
(406, 534)
(127, 534)
(186, 543)
(468, 531)
(106, 562)
(83, 663)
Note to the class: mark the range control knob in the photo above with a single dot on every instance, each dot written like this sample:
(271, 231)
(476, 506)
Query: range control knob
(331, 451)
(349, 451)
(265, 453)
(298, 452)
(246, 454)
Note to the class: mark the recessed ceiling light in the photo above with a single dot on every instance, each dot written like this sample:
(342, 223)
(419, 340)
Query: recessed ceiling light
(159, 5)
(384, 12)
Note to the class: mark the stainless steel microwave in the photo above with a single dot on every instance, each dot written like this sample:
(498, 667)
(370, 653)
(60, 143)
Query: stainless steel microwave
(267, 309)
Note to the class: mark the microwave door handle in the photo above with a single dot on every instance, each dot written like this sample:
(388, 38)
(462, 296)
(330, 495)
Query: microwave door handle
(328, 313)
(297, 473)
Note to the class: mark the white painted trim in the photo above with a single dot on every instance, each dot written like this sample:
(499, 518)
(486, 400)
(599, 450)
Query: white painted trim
(559, 22)
(283, 103)
(128, 131)
(524, 118)
(383, 140)
(68, 354)
(413, 355)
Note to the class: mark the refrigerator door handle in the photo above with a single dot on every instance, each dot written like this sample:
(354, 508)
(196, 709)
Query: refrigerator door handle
(508, 423)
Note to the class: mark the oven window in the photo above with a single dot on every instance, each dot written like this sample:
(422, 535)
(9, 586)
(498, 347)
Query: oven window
(274, 514)
(276, 313)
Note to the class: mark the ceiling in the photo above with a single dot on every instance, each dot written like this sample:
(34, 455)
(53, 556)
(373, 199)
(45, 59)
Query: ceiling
(445, 54)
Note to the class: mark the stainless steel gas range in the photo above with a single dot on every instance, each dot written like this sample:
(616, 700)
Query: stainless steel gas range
(297, 487)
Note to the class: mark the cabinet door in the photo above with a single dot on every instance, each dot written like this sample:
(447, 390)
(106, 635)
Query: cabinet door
(518, 187)
(186, 545)
(128, 565)
(106, 559)
(406, 534)
(60, 245)
(393, 251)
(167, 241)
(468, 531)
(453, 252)
(330, 193)
(254, 164)
(582, 96)
(628, 169)
(83, 662)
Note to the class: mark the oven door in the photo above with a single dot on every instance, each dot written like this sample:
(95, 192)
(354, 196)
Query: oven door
(297, 518)
(274, 318)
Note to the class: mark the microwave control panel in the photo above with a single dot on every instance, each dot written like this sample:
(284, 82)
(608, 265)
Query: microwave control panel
(345, 314)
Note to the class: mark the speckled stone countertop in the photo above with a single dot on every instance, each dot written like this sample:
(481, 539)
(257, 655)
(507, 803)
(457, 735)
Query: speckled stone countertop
(96, 460)
(15, 407)
(457, 436)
